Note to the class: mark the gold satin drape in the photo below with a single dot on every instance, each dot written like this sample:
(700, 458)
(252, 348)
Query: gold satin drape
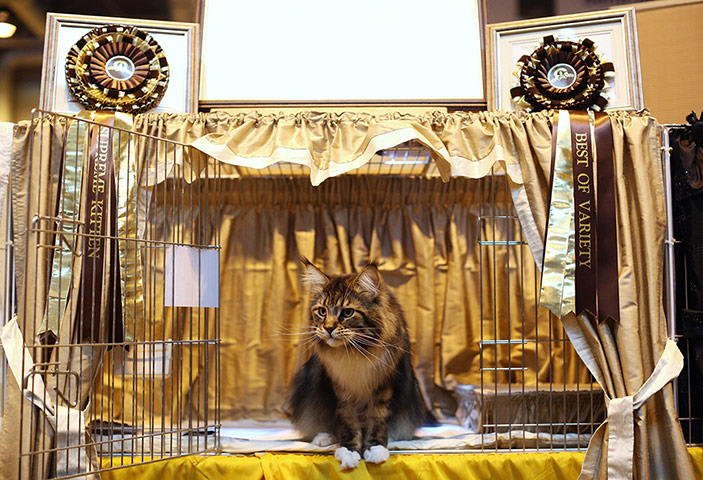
(423, 232)
(626, 353)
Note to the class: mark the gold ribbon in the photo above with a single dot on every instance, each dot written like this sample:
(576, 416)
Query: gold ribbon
(558, 293)
(581, 214)
(131, 276)
(68, 208)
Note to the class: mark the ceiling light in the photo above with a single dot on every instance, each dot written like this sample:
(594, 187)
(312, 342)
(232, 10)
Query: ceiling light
(6, 29)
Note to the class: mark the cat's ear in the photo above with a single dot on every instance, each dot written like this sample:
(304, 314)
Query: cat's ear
(313, 277)
(369, 280)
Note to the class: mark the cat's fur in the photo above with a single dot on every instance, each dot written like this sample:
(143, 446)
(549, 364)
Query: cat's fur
(358, 384)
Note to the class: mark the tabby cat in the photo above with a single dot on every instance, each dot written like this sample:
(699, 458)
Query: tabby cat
(358, 388)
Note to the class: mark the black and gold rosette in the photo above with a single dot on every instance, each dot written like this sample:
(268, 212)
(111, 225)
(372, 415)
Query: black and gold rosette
(561, 74)
(119, 68)
(579, 265)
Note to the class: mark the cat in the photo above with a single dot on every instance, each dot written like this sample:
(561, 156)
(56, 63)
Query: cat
(358, 388)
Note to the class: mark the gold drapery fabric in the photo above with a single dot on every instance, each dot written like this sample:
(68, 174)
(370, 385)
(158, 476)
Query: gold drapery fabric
(626, 353)
(423, 233)
(32, 187)
(462, 143)
(466, 144)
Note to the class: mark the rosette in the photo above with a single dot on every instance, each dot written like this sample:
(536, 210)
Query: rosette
(562, 74)
(117, 67)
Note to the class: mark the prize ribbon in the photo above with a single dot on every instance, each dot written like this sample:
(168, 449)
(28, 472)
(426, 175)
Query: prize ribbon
(563, 75)
(117, 67)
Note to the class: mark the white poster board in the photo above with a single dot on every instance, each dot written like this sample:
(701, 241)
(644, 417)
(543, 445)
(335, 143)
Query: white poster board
(321, 51)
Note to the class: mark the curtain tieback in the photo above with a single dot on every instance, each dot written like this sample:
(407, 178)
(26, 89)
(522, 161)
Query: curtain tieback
(621, 430)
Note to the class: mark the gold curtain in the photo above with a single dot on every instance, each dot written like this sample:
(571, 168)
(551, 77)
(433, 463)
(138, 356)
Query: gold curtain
(466, 144)
(626, 353)
(425, 235)
(463, 144)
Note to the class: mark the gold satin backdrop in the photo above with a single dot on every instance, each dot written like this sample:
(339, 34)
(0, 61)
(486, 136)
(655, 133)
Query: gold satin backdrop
(423, 232)
(627, 352)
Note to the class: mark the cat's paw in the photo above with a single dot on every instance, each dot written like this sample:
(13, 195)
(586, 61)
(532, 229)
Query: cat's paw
(376, 454)
(323, 439)
(347, 458)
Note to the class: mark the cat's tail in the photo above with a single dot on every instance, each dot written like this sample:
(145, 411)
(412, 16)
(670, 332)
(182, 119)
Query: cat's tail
(430, 419)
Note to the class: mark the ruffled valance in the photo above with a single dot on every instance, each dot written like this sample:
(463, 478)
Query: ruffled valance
(466, 144)
(461, 143)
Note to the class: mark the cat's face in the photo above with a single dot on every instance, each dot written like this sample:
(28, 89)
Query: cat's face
(342, 307)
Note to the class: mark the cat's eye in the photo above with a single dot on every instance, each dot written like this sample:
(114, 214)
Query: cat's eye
(321, 312)
(347, 313)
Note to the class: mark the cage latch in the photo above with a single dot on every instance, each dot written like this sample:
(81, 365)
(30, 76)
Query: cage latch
(58, 229)
(51, 368)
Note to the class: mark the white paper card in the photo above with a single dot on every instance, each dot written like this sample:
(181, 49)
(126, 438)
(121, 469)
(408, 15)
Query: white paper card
(192, 277)
(71, 456)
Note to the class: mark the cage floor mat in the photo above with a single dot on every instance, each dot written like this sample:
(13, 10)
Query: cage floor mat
(251, 437)
(280, 436)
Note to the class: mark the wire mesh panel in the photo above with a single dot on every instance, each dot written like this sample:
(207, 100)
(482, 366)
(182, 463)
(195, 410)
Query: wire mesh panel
(534, 391)
(118, 294)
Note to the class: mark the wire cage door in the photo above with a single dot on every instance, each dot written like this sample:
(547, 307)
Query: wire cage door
(117, 237)
(533, 392)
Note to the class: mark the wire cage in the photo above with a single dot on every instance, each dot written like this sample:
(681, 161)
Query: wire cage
(523, 385)
(122, 353)
(133, 361)
(534, 391)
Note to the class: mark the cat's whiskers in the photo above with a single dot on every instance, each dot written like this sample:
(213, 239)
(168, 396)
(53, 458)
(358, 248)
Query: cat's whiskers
(291, 334)
(308, 344)
(365, 352)
(377, 342)
(356, 347)
(346, 349)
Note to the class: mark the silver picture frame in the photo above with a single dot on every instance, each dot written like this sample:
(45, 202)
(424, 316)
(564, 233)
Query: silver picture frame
(613, 31)
(179, 41)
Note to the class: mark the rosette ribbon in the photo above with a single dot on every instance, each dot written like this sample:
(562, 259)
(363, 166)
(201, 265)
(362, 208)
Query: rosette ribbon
(561, 74)
(117, 67)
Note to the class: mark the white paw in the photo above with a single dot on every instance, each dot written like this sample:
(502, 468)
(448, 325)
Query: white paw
(376, 454)
(323, 439)
(347, 458)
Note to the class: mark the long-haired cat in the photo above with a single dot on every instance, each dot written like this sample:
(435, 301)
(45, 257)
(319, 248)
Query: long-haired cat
(358, 388)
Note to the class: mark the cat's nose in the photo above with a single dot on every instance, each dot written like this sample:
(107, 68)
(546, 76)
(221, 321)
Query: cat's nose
(330, 329)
